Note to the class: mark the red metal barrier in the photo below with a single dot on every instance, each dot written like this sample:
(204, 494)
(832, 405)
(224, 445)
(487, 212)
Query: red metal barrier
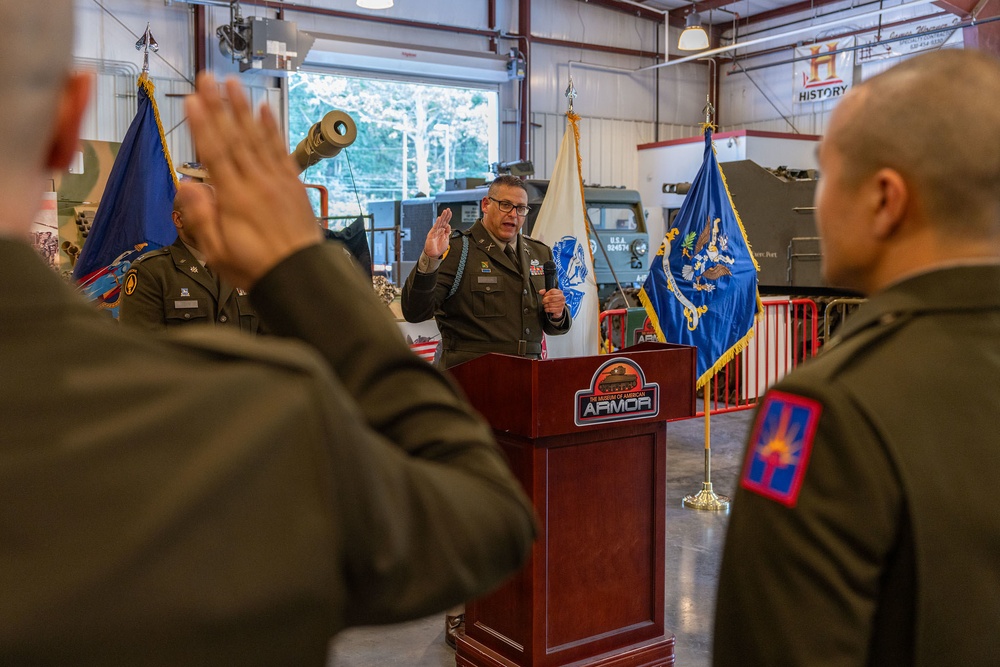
(785, 335)
(612, 326)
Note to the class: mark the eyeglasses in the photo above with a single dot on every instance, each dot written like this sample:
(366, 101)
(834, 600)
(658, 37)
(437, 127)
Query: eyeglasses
(506, 206)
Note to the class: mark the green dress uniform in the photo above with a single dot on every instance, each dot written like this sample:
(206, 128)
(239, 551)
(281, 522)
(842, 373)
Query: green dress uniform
(168, 287)
(863, 532)
(202, 497)
(496, 307)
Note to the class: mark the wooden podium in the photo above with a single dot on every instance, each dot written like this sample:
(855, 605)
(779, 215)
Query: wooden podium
(586, 437)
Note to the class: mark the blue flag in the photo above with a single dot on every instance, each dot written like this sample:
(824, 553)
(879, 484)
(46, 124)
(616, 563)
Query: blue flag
(134, 215)
(702, 285)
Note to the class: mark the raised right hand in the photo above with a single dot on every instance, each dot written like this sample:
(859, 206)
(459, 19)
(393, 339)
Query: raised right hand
(264, 212)
(437, 237)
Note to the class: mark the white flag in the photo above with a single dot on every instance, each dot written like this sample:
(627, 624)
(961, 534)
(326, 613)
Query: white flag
(562, 225)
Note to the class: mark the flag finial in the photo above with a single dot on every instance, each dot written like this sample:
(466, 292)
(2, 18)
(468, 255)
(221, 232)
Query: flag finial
(571, 94)
(145, 43)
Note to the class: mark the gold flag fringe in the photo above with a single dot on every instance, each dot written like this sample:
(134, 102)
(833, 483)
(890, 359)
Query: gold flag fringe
(574, 122)
(744, 341)
(147, 84)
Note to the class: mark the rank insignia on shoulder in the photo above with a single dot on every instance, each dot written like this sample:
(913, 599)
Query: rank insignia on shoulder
(185, 291)
(780, 446)
(131, 280)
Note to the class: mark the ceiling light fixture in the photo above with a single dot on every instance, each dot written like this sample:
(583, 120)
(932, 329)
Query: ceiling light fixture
(375, 4)
(694, 37)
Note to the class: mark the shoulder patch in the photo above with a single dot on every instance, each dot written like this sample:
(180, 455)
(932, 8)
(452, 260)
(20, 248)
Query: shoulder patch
(131, 280)
(780, 446)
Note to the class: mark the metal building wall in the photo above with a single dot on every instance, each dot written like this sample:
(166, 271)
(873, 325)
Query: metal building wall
(619, 106)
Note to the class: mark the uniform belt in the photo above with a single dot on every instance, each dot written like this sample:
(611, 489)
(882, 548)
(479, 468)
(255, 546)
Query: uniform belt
(521, 348)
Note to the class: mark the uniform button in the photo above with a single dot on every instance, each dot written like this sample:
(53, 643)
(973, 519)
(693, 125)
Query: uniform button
(524, 292)
(187, 316)
(527, 331)
(527, 310)
(223, 318)
(488, 289)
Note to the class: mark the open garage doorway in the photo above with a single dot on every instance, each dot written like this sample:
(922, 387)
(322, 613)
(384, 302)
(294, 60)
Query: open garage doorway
(412, 137)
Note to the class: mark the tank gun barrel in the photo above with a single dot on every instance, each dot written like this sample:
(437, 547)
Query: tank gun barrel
(325, 139)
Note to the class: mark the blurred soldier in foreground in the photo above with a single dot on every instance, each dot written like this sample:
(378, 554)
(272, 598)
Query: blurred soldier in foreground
(249, 499)
(863, 533)
(172, 286)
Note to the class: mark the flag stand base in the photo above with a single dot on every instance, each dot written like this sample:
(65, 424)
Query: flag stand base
(707, 499)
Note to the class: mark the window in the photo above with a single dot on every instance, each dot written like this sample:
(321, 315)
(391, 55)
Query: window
(412, 137)
(612, 217)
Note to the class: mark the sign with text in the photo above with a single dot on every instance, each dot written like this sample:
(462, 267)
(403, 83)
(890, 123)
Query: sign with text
(825, 71)
(910, 39)
(618, 391)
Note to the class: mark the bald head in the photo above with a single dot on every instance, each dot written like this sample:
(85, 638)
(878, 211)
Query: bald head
(935, 119)
(43, 104)
(194, 208)
(36, 52)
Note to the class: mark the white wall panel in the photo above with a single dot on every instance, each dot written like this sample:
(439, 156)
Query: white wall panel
(607, 146)
(110, 34)
(576, 21)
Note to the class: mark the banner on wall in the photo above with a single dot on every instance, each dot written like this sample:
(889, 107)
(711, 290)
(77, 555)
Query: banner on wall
(823, 71)
(917, 37)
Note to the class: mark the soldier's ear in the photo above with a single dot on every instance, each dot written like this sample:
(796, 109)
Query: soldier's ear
(893, 199)
(72, 106)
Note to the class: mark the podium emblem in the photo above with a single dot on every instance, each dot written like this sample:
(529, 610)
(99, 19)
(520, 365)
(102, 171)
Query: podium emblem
(618, 392)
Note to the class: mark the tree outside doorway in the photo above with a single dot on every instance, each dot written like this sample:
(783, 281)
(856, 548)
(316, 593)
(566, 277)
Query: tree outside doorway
(411, 137)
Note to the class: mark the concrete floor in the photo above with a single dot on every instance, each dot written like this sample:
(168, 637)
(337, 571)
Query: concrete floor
(694, 541)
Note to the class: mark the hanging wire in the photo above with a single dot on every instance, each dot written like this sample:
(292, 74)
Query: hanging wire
(354, 184)
(766, 97)
(129, 30)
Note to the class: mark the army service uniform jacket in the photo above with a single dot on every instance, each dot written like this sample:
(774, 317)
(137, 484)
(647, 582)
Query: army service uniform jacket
(202, 497)
(168, 287)
(863, 531)
(496, 308)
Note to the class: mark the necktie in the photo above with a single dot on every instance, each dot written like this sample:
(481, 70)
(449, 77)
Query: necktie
(512, 256)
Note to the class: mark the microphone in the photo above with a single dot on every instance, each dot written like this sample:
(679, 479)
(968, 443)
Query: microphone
(551, 279)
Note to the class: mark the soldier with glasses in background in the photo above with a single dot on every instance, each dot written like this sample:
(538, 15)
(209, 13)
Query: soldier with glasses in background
(485, 286)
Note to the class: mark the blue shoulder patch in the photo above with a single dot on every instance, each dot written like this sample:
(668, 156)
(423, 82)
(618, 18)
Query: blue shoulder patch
(780, 447)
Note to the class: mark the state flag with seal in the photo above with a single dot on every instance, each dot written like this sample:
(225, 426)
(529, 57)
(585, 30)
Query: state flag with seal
(702, 284)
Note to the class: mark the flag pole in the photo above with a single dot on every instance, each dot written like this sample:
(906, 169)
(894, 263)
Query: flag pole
(707, 499)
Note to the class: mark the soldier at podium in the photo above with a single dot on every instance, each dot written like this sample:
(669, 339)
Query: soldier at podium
(485, 286)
